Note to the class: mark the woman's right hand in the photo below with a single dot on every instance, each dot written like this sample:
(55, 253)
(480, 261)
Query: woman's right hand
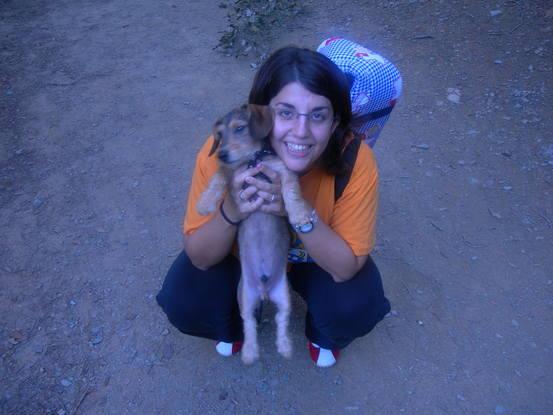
(243, 200)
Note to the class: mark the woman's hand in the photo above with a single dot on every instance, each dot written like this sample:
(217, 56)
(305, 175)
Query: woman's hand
(271, 193)
(243, 200)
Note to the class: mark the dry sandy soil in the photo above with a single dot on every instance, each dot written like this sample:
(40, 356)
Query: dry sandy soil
(103, 107)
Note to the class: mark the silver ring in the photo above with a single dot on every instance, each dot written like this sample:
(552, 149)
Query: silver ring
(241, 195)
(273, 197)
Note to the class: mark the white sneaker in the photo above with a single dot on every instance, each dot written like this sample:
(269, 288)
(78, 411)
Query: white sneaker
(323, 357)
(228, 349)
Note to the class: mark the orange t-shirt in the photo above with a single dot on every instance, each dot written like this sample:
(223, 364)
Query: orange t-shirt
(352, 216)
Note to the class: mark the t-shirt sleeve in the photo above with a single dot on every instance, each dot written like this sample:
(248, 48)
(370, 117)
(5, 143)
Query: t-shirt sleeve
(354, 215)
(204, 169)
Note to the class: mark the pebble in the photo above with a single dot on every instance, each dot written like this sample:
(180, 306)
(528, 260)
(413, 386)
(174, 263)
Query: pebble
(494, 13)
(500, 410)
(65, 382)
(498, 61)
(454, 95)
(420, 322)
(38, 348)
(421, 146)
(37, 202)
(97, 336)
(165, 332)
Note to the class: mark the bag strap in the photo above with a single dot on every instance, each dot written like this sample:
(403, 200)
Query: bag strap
(350, 156)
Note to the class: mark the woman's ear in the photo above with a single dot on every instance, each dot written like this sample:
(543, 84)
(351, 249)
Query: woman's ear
(334, 125)
(261, 120)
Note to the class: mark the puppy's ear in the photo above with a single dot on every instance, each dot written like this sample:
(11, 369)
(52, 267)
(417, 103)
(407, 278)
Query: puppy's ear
(217, 135)
(261, 120)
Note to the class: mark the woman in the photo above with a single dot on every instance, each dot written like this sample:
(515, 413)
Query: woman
(334, 273)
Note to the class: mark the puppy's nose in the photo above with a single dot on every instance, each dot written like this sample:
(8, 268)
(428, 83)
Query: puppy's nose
(223, 156)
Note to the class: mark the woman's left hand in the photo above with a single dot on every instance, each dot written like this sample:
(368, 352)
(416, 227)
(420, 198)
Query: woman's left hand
(271, 193)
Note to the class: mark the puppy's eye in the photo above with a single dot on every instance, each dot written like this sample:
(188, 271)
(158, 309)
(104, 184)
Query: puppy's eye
(240, 129)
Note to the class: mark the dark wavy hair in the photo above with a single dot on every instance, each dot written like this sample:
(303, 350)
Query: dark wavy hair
(319, 75)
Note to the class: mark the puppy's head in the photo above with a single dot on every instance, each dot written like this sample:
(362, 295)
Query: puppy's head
(241, 132)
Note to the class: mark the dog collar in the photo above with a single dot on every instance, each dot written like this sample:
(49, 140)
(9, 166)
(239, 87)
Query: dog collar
(259, 156)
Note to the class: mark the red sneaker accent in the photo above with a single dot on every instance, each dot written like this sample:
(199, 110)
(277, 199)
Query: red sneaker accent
(236, 347)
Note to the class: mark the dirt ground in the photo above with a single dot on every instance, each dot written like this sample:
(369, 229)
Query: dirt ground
(103, 107)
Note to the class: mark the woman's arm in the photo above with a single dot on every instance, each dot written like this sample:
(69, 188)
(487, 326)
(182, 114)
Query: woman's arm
(212, 242)
(331, 252)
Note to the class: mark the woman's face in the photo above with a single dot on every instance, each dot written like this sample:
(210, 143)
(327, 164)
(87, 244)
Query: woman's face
(303, 125)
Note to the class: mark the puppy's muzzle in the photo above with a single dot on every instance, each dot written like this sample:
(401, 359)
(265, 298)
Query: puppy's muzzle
(223, 156)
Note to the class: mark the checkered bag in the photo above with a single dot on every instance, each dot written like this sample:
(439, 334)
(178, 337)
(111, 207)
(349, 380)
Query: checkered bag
(375, 85)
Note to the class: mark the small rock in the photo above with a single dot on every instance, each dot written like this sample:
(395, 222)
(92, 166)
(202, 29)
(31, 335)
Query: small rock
(37, 202)
(500, 410)
(514, 323)
(498, 61)
(16, 337)
(420, 322)
(507, 188)
(454, 95)
(461, 397)
(72, 302)
(165, 332)
(61, 412)
(97, 336)
(494, 13)
(38, 348)
(421, 146)
(19, 152)
(65, 382)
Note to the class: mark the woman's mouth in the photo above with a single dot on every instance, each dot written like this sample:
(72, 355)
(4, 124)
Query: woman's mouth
(300, 150)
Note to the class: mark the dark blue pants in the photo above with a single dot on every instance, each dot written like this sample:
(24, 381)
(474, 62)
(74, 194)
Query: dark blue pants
(204, 304)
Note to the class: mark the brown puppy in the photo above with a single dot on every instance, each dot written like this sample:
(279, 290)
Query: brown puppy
(263, 238)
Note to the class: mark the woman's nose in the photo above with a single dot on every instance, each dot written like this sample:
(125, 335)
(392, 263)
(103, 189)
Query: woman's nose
(301, 126)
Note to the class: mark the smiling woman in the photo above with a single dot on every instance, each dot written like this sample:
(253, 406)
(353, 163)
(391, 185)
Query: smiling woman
(332, 269)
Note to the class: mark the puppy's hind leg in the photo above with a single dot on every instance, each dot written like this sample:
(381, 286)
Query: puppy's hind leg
(280, 295)
(248, 298)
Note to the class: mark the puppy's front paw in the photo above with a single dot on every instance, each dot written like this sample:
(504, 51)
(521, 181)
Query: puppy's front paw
(205, 205)
(299, 214)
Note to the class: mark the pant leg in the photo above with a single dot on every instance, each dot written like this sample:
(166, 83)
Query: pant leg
(338, 313)
(203, 303)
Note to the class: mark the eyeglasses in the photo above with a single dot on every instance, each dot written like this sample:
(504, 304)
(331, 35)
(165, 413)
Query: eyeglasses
(317, 117)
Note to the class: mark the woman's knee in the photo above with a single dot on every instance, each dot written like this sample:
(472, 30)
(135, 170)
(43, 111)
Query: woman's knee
(357, 302)
(190, 295)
